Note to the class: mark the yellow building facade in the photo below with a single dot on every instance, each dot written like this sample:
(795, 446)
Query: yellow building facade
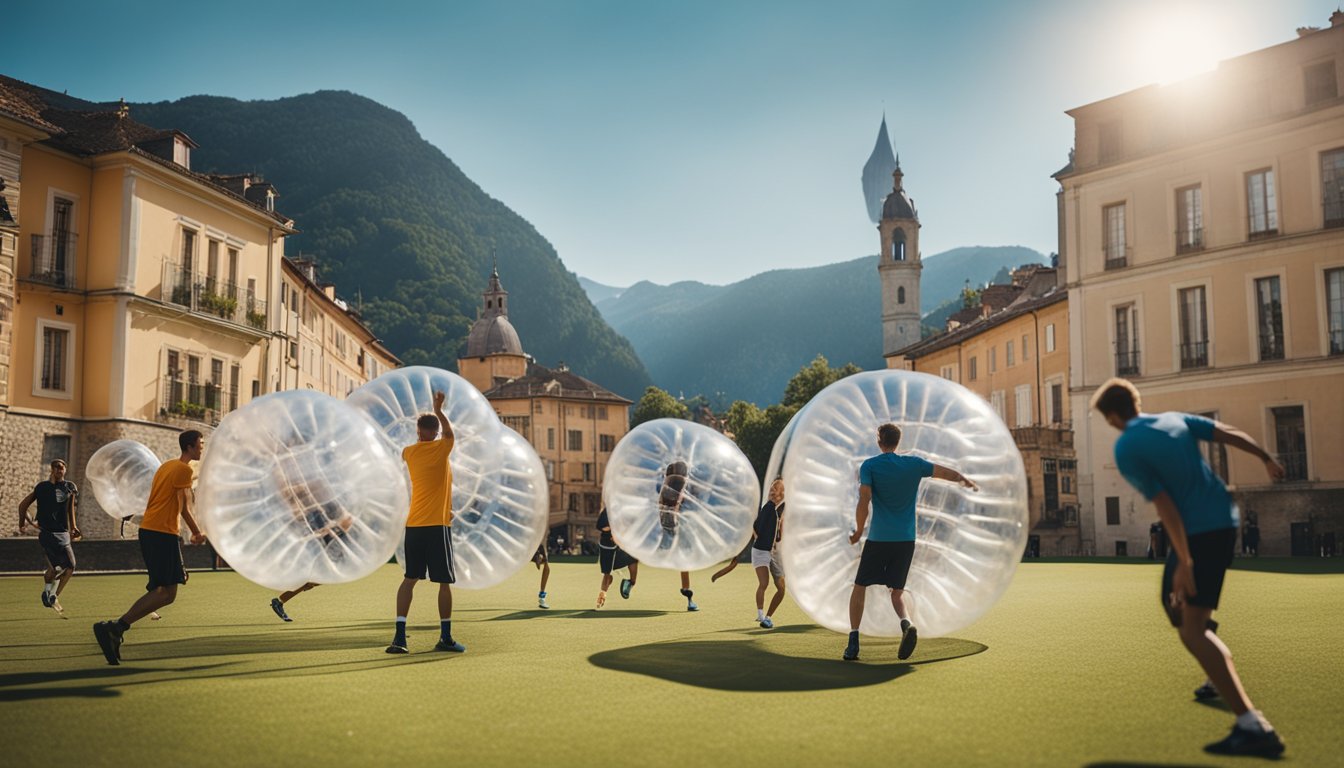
(1202, 231)
(572, 423)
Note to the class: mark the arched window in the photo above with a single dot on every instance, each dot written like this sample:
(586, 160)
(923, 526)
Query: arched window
(488, 304)
(898, 245)
(900, 294)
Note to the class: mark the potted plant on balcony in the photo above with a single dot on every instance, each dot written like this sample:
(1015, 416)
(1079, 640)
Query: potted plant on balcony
(181, 294)
(256, 319)
(189, 409)
(219, 304)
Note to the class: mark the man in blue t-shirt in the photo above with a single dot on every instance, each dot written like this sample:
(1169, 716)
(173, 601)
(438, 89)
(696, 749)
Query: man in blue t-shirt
(1159, 454)
(890, 481)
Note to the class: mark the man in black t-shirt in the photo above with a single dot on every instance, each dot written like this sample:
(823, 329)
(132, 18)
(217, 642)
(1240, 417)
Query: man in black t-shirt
(56, 498)
(611, 558)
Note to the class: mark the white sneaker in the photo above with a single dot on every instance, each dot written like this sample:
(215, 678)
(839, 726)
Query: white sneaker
(541, 603)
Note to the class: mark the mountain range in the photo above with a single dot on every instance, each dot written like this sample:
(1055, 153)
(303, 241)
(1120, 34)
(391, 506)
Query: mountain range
(744, 341)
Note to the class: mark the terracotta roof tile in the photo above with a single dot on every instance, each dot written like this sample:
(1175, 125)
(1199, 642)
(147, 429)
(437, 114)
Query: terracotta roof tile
(540, 381)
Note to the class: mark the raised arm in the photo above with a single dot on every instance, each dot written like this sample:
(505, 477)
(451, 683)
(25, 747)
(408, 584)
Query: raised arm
(24, 520)
(947, 473)
(186, 502)
(861, 513)
(443, 420)
(1230, 435)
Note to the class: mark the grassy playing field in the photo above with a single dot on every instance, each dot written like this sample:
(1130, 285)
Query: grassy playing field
(1074, 667)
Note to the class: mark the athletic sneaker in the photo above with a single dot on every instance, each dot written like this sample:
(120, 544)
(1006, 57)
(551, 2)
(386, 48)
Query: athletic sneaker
(46, 599)
(454, 647)
(109, 640)
(1206, 692)
(852, 651)
(766, 623)
(690, 604)
(1243, 741)
(279, 609)
(541, 600)
(626, 586)
(397, 649)
(908, 640)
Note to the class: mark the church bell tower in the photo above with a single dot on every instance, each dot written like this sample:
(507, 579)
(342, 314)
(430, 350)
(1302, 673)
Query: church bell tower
(899, 268)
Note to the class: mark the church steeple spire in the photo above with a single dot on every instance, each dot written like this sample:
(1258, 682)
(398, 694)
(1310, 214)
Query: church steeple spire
(876, 172)
(496, 298)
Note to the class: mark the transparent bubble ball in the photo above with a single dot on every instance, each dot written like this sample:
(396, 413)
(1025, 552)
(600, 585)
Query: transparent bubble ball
(501, 502)
(298, 487)
(679, 495)
(120, 474)
(968, 543)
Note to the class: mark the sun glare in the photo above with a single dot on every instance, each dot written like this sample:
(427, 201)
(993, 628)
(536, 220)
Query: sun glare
(1174, 42)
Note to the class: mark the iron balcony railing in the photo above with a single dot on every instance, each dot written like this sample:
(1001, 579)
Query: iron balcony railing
(53, 259)
(208, 295)
(1127, 363)
(1294, 465)
(1271, 346)
(184, 397)
(1194, 354)
(1116, 256)
(1188, 240)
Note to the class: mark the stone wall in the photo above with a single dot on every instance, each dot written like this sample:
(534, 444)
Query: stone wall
(1278, 509)
(21, 439)
(23, 555)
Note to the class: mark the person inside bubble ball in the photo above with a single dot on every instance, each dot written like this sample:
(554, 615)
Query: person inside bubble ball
(765, 560)
(171, 499)
(429, 541)
(327, 522)
(1161, 457)
(56, 498)
(671, 492)
(890, 482)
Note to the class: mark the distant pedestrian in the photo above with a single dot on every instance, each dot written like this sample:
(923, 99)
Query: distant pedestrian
(56, 499)
(766, 535)
(543, 562)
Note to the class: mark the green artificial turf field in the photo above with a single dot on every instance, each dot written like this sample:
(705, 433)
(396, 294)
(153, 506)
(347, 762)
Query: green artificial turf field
(1074, 667)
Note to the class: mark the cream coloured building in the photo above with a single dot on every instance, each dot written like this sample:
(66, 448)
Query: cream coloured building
(327, 347)
(573, 423)
(1202, 232)
(141, 290)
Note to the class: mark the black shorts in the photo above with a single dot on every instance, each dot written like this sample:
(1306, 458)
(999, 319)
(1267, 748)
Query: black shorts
(613, 559)
(163, 559)
(1212, 553)
(56, 547)
(429, 551)
(886, 563)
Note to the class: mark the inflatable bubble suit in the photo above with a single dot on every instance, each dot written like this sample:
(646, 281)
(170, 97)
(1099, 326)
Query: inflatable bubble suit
(501, 503)
(296, 487)
(968, 543)
(120, 475)
(679, 495)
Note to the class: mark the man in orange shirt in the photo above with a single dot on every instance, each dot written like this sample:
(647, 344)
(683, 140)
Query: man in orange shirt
(429, 541)
(170, 497)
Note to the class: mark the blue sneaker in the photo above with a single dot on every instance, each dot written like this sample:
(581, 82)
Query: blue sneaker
(766, 623)
(541, 600)
(852, 650)
(626, 586)
(450, 646)
(46, 599)
(279, 609)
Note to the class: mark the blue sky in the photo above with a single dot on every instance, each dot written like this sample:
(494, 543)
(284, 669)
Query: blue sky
(688, 140)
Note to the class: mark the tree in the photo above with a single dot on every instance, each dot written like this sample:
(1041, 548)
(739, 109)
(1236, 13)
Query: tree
(758, 435)
(812, 378)
(657, 404)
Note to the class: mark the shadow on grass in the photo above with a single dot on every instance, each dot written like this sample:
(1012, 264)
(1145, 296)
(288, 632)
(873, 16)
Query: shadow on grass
(1125, 764)
(586, 613)
(106, 681)
(750, 666)
(1299, 565)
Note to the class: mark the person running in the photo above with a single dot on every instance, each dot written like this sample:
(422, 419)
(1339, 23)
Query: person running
(890, 481)
(56, 498)
(543, 562)
(170, 499)
(1160, 456)
(611, 558)
(429, 540)
(765, 537)
(327, 522)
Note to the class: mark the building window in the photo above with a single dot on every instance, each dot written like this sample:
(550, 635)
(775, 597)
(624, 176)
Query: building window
(1262, 213)
(1022, 406)
(212, 266)
(214, 387)
(519, 424)
(1319, 82)
(1215, 453)
(993, 359)
(1332, 187)
(537, 406)
(1113, 245)
(1113, 511)
(56, 358)
(1194, 328)
(188, 254)
(1122, 549)
(54, 447)
(1056, 403)
(550, 438)
(1050, 337)
(606, 443)
(1334, 307)
(971, 374)
(898, 245)
(1050, 481)
(1126, 340)
(573, 502)
(900, 294)
(1008, 354)
(1189, 219)
(997, 402)
(1269, 318)
(1026, 355)
(1290, 441)
(602, 412)
(574, 440)
(235, 380)
(588, 472)
(946, 372)
(1110, 141)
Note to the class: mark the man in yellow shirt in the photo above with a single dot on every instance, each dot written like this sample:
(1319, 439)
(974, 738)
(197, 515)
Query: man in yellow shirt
(429, 541)
(170, 498)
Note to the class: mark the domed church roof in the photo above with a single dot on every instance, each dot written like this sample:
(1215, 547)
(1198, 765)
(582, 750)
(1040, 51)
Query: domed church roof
(492, 333)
